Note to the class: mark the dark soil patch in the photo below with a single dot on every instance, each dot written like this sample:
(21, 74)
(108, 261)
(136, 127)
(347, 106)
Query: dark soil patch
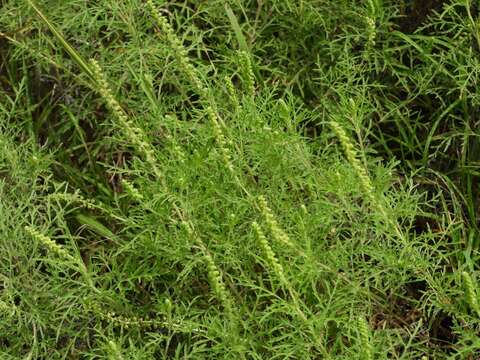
(415, 12)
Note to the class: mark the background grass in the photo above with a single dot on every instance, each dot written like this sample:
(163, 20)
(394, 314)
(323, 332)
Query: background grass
(251, 179)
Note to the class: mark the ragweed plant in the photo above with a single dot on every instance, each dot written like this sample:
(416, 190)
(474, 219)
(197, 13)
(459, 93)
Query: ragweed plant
(470, 293)
(220, 138)
(214, 275)
(374, 8)
(278, 271)
(73, 198)
(364, 337)
(132, 133)
(290, 291)
(49, 243)
(269, 254)
(352, 157)
(232, 94)
(159, 322)
(247, 73)
(132, 190)
(179, 51)
(61, 252)
(364, 178)
(277, 232)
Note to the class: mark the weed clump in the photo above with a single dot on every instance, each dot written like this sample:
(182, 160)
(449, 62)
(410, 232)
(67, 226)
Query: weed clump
(152, 172)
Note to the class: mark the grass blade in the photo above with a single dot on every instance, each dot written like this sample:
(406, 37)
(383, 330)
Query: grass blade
(68, 48)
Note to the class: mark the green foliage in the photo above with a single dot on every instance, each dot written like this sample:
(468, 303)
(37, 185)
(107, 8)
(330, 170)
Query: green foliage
(251, 180)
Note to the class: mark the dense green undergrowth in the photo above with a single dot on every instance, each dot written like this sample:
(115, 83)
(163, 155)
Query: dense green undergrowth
(241, 179)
